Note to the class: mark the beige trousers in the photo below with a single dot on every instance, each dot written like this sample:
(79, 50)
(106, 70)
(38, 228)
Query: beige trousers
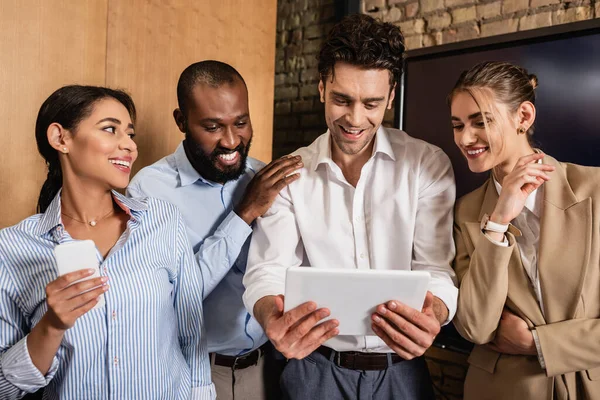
(257, 382)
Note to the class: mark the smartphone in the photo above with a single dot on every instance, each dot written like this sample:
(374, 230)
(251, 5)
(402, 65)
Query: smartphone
(74, 256)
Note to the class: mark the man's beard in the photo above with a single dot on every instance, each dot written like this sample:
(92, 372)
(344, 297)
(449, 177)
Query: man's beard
(206, 164)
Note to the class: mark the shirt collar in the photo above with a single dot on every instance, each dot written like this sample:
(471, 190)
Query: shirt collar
(382, 145)
(52, 217)
(187, 173)
(533, 201)
(129, 204)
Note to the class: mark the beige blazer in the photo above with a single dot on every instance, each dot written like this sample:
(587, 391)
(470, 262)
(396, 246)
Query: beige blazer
(492, 277)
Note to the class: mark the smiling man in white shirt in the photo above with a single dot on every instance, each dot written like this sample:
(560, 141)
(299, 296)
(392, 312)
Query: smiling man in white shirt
(368, 197)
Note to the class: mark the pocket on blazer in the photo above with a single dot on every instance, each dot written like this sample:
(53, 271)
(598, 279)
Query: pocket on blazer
(484, 358)
(593, 374)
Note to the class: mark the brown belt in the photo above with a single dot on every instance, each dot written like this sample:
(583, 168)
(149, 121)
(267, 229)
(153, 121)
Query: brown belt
(238, 362)
(360, 361)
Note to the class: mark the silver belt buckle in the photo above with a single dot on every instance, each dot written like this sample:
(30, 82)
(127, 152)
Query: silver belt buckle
(235, 362)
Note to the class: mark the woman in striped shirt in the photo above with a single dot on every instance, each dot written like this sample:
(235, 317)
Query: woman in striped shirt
(147, 341)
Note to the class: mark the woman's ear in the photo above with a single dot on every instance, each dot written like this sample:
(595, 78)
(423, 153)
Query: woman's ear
(58, 137)
(526, 115)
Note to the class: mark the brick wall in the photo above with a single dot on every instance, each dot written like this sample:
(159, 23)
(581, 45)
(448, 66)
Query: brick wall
(433, 22)
(303, 24)
(301, 28)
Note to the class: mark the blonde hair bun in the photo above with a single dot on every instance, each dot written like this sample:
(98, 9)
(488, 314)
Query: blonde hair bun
(533, 80)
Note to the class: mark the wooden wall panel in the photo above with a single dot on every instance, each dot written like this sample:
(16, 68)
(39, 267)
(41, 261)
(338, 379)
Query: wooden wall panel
(150, 42)
(138, 45)
(45, 45)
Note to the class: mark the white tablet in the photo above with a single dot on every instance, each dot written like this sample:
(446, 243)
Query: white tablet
(352, 295)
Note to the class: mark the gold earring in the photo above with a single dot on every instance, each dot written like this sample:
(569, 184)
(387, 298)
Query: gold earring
(521, 130)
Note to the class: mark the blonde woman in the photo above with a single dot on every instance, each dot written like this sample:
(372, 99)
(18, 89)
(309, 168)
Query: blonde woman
(528, 249)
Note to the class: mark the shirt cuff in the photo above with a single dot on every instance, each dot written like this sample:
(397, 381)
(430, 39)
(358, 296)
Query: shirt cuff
(448, 294)
(261, 289)
(503, 243)
(235, 227)
(19, 370)
(207, 392)
(536, 339)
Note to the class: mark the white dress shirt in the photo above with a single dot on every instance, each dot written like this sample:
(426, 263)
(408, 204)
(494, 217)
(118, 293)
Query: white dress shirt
(398, 217)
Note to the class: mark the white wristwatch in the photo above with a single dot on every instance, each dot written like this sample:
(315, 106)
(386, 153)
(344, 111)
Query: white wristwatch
(487, 225)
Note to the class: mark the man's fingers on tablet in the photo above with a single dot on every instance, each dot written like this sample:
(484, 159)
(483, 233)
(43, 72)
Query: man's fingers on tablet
(399, 338)
(297, 313)
(414, 333)
(317, 336)
(304, 326)
(391, 344)
(322, 332)
(425, 321)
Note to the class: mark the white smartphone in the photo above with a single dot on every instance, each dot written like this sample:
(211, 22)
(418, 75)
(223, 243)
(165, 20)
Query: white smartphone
(75, 256)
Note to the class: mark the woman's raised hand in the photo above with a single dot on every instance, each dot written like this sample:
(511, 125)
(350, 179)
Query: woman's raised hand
(526, 176)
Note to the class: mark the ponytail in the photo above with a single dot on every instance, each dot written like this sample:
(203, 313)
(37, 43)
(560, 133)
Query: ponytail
(50, 188)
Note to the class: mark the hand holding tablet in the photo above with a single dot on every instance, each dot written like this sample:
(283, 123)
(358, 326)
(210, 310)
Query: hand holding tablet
(297, 332)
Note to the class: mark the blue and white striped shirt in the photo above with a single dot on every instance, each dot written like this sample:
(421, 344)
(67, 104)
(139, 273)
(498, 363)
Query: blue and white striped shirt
(147, 342)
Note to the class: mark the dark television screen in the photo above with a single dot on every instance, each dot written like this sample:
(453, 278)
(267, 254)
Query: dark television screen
(566, 60)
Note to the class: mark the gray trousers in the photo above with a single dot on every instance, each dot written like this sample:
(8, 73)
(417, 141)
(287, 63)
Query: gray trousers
(318, 378)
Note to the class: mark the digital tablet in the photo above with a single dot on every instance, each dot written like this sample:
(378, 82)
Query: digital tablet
(352, 295)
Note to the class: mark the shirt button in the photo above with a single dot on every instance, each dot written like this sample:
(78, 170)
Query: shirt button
(106, 270)
(116, 361)
(362, 256)
(114, 315)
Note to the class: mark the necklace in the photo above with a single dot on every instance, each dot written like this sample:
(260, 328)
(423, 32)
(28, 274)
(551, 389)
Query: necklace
(92, 222)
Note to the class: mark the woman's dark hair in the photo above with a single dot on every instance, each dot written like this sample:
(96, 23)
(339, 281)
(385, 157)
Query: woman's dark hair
(365, 42)
(68, 106)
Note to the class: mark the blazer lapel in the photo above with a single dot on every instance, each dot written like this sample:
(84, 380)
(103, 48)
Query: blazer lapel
(564, 246)
(521, 297)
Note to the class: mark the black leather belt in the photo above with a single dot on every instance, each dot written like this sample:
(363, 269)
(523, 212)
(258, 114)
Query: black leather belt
(238, 362)
(360, 361)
